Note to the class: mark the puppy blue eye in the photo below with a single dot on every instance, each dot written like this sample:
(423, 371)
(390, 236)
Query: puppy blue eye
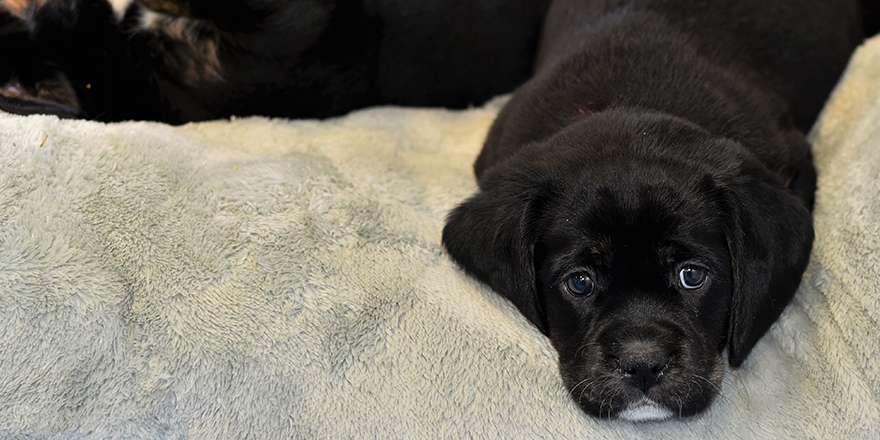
(692, 277)
(580, 285)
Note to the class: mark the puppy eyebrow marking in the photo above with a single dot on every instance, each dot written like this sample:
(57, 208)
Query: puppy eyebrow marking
(674, 250)
(589, 251)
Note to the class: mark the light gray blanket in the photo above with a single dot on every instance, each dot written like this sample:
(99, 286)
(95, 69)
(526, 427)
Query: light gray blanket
(273, 279)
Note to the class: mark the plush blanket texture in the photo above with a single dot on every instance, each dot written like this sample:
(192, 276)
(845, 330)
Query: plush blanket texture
(274, 279)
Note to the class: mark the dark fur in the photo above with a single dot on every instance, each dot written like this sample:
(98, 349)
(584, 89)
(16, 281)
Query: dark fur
(656, 134)
(208, 59)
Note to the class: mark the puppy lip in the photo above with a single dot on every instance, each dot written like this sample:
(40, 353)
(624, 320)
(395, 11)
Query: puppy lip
(645, 410)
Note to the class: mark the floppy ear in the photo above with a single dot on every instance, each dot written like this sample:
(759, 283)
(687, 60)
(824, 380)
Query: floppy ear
(770, 235)
(492, 235)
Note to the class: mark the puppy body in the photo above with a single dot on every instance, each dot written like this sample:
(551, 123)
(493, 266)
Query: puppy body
(187, 60)
(645, 198)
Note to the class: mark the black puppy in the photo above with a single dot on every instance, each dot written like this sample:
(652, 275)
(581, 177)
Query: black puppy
(645, 198)
(189, 60)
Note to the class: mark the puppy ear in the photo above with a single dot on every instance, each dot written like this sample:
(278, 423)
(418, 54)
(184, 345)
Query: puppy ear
(770, 235)
(492, 236)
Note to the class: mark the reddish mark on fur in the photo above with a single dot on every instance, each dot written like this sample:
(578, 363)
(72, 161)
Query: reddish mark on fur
(590, 109)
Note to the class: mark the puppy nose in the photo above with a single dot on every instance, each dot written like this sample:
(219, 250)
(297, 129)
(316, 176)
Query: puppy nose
(643, 364)
(644, 375)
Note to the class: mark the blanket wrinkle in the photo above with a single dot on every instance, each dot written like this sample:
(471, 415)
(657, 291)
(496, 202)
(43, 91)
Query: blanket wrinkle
(264, 278)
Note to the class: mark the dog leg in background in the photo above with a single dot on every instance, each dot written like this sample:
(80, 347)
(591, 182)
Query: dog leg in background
(29, 83)
(180, 61)
(64, 57)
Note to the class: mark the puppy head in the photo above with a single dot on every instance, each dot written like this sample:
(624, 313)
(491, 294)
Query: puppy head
(643, 248)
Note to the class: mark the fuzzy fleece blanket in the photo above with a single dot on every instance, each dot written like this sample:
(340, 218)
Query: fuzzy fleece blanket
(274, 279)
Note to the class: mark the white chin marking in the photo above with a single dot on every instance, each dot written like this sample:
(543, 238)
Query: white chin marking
(645, 411)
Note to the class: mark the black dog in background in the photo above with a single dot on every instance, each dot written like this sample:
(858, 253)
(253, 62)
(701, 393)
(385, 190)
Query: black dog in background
(188, 60)
(645, 199)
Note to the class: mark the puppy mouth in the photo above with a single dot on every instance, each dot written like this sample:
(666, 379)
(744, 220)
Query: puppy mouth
(680, 394)
(645, 389)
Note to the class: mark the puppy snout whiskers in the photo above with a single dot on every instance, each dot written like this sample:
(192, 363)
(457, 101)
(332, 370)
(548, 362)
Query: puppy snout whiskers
(642, 364)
